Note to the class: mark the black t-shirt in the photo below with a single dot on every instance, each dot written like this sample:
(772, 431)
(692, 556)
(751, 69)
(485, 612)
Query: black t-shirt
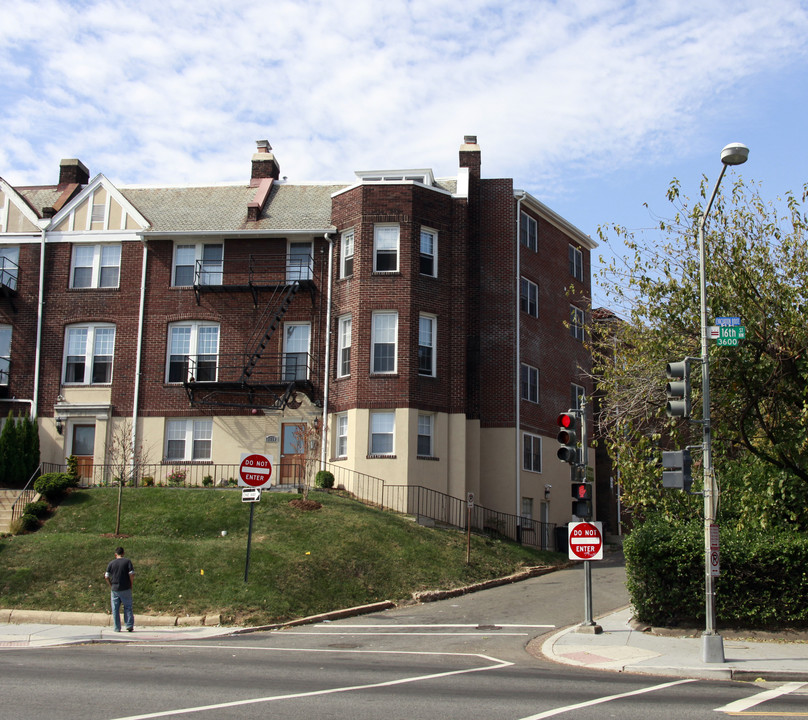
(118, 573)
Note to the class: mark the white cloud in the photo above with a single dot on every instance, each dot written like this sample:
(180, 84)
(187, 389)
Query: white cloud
(180, 90)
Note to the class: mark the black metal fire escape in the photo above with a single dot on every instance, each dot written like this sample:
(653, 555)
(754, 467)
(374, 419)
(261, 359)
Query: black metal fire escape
(258, 379)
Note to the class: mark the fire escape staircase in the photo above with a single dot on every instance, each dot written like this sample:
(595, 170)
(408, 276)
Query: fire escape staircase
(268, 385)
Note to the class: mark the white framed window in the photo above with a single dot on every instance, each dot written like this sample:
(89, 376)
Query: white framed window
(427, 326)
(530, 383)
(89, 350)
(342, 435)
(95, 266)
(576, 263)
(384, 342)
(9, 265)
(188, 439)
(346, 254)
(385, 248)
(299, 261)
(527, 508)
(426, 432)
(296, 351)
(193, 352)
(531, 445)
(576, 323)
(577, 394)
(198, 264)
(382, 430)
(344, 346)
(529, 297)
(428, 259)
(528, 231)
(5, 353)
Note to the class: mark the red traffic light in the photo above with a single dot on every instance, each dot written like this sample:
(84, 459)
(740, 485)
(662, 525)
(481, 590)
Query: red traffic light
(582, 491)
(566, 421)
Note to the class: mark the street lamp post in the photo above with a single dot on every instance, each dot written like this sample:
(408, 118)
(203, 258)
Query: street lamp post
(712, 647)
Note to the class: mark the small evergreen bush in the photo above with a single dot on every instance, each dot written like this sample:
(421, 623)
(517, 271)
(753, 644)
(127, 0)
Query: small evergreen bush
(324, 479)
(38, 509)
(53, 486)
(207, 481)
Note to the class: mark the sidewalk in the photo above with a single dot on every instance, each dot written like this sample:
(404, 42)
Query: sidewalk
(621, 648)
(40, 628)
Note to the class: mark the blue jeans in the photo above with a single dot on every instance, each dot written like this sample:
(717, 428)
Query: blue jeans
(124, 597)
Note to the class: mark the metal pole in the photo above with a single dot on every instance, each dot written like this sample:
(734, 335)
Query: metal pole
(712, 648)
(249, 542)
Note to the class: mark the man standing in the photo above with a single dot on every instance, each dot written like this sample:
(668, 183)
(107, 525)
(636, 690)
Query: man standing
(119, 576)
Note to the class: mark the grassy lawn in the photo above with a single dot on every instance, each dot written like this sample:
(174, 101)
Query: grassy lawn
(301, 562)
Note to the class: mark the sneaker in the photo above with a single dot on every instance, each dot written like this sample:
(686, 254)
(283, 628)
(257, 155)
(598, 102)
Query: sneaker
(129, 629)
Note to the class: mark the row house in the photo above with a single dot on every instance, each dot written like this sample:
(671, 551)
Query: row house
(430, 328)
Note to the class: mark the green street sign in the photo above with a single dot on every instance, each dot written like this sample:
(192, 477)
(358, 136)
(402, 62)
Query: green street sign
(734, 332)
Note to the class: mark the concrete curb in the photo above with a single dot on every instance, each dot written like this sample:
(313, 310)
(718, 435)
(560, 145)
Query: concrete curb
(55, 617)
(434, 595)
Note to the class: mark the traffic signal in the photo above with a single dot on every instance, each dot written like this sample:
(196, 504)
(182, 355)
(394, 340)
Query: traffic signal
(582, 499)
(568, 452)
(676, 466)
(678, 389)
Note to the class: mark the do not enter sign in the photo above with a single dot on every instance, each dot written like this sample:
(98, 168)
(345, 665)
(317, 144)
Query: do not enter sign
(585, 541)
(255, 471)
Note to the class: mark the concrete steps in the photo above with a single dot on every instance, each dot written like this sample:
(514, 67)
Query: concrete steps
(7, 498)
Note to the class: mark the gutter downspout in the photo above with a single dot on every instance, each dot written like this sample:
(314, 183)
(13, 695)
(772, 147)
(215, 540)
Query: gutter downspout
(39, 319)
(518, 354)
(327, 372)
(139, 352)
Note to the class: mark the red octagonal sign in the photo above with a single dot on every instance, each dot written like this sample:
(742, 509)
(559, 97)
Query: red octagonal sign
(585, 541)
(255, 471)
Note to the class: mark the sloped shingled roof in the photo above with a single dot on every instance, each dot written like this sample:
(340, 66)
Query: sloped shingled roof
(224, 207)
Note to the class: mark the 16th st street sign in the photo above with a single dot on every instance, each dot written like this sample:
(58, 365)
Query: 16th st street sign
(727, 335)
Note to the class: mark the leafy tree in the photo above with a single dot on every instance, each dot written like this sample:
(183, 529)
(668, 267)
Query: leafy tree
(756, 268)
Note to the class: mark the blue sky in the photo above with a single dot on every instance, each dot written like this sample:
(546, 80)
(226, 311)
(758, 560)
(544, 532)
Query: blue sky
(593, 106)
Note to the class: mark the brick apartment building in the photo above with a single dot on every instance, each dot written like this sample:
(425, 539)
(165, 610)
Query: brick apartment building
(424, 324)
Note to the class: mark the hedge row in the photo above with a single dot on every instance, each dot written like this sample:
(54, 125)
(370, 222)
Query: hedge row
(763, 581)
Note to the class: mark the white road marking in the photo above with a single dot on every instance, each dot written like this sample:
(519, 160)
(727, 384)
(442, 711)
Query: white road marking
(608, 698)
(408, 634)
(761, 697)
(497, 664)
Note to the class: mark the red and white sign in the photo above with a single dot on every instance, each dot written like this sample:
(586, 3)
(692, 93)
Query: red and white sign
(255, 471)
(585, 541)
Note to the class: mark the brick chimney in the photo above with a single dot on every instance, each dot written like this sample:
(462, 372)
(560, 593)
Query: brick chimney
(264, 164)
(470, 156)
(73, 171)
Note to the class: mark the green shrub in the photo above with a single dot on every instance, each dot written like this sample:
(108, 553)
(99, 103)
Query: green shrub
(147, 481)
(763, 582)
(207, 481)
(25, 523)
(324, 479)
(38, 509)
(53, 486)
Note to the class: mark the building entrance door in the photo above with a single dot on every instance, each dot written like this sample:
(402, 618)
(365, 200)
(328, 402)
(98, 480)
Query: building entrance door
(83, 447)
(292, 456)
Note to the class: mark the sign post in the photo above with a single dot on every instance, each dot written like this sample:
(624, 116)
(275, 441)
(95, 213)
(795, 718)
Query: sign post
(254, 473)
(585, 541)
(470, 504)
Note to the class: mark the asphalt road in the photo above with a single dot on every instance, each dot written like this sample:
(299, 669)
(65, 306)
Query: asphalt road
(461, 658)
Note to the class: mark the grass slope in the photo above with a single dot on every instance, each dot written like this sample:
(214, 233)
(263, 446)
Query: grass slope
(301, 562)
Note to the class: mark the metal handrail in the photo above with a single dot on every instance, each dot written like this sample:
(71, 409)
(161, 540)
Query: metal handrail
(27, 494)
